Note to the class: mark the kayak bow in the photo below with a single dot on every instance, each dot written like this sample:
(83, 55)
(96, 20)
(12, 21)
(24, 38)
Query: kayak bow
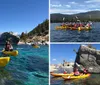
(4, 61)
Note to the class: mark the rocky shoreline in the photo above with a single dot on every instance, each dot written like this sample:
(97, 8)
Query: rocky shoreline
(15, 39)
(41, 40)
(60, 68)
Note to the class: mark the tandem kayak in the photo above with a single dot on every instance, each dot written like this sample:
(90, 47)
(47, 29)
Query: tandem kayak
(4, 61)
(12, 53)
(75, 77)
(60, 74)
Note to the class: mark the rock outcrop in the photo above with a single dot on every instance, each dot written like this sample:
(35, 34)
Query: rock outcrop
(7, 35)
(88, 58)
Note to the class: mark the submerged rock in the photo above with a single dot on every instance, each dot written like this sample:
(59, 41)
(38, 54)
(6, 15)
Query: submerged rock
(88, 58)
(7, 35)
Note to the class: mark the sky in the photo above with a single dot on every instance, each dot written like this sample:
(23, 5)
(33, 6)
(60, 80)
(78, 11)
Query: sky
(73, 6)
(60, 52)
(22, 15)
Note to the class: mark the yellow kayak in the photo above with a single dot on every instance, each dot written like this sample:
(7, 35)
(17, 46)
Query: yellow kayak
(61, 27)
(36, 46)
(72, 28)
(12, 53)
(75, 77)
(83, 28)
(4, 61)
(60, 74)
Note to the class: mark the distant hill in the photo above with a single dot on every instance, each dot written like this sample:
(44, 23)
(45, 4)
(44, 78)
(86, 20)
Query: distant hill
(41, 29)
(87, 16)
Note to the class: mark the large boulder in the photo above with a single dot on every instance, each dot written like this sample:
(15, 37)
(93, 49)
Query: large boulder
(7, 35)
(88, 58)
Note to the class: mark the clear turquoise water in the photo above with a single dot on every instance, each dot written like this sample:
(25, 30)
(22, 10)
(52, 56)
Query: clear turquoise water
(30, 67)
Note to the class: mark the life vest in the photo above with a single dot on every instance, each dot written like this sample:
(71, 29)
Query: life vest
(75, 25)
(76, 73)
(85, 71)
(81, 25)
(65, 72)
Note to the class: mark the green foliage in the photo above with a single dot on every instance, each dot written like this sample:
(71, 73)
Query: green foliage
(41, 29)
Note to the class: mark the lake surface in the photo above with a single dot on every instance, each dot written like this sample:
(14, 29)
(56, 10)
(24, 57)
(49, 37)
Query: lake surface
(94, 79)
(75, 35)
(30, 67)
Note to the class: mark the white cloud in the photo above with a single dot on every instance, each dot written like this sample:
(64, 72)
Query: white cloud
(55, 5)
(92, 1)
(73, 2)
(15, 33)
(59, 6)
(68, 6)
(97, 9)
(67, 11)
(54, 59)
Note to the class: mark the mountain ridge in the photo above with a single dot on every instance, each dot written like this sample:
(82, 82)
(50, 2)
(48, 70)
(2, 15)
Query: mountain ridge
(84, 16)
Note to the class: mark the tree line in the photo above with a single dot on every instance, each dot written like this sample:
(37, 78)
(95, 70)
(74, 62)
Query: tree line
(40, 30)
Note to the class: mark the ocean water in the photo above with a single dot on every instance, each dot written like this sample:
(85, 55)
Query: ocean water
(75, 35)
(30, 67)
(94, 79)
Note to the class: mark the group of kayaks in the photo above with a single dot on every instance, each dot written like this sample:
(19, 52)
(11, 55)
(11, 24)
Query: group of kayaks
(70, 76)
(78, 27)
(5, 60)
(72, 28)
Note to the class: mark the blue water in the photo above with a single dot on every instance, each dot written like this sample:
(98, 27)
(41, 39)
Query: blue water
(94, 79)
(30, 67)
(75, 35)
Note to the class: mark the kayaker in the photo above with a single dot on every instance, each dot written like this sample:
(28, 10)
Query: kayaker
(76, 72)
(8, 46)
(88, 25)
(81, 25)
(85, 71)
(64, 72)
(33, 44)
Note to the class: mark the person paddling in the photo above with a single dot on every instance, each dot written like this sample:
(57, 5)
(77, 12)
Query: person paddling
(85, 71)
(76, 72)
(8, 46)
